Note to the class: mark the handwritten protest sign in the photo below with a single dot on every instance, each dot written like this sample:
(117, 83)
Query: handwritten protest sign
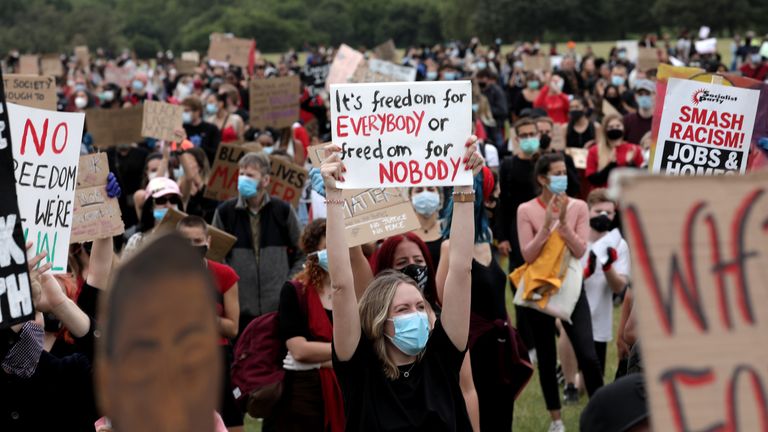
(386, 51)
(83, 56)
(50, 64)
(699, 259)
(221, 241)
(704, 128)
(395, 135)
(30, 90)
(110, 127)
(344, 65)
(274, 102)
(222, 184)
(631, 47)
(314, 76)
(186, 67)
(95, 215)
(232, 50)
(287, 180)
(375, 70)
(706, 46)
(29, 64)
(647, 59)
(46, 159)
(533, 63)
(120, 75)
(15, 294)
(160, 120)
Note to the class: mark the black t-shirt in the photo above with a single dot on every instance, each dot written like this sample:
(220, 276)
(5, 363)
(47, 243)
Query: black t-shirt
(129, 169)
(517, 186)
(428, 400)
(205, 136)
(292, 315)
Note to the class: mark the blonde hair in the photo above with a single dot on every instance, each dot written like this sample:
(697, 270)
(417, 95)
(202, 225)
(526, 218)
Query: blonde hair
(603, 150)
(374, 313)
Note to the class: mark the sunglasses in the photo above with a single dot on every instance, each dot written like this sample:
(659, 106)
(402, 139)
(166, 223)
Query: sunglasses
(164, 200)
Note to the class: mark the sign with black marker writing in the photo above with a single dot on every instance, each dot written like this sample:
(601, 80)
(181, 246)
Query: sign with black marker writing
(402, 134)
(15, 293)
(45, 166)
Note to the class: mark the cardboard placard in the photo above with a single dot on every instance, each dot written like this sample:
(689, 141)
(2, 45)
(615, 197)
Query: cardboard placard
(609, 109)
(111, 127)
(50, 64)
(579, 156)
(160, 120)
(375, 70)
(30, 90)
(344, 65)
(558, 136)
(387, 52)
(46, 160)
(647, 59)
(192, 56)
(29, 64)
(402, 134)
(533, 63)
(221, 241)
(287, 180)
(95, 215)
(316, 154)
(16, 296)
(231, 50)
(222, 184)
(274, 102)
(83, 56)
(120, 75)
(699, 259)
(314, 76)
(186, 67)
(705, 129)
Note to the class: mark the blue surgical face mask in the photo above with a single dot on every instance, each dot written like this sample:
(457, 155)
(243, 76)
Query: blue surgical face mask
(211, 108)
(322, 259)
(426, 203)
(411, 332)
(247, 186)
(475, 107)
(186, 117)
(178, 172)
(268, 150)
(431, 75)
(482, 65)
(529, 146)
(645, 102)
(533, 84)
(558, 183)
(159, 213)
(137, 85)
(450, 76)
(617, 80)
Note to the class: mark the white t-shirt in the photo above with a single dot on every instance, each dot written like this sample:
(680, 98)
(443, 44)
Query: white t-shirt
(491, 156)
(599, 294)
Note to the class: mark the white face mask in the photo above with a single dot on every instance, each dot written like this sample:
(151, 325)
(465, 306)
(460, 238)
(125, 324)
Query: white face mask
(152, 175)
(81, 102)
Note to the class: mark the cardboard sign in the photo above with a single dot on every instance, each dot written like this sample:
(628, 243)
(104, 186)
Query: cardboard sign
(192, 56)
(231, 50)
(32, 91)
(699, 259)
(120, 75)
(609, 109)
(705, 129)
(160, 120)
(316, 154)
(15, 296)
(29, 64)
(83, 56)
(274, 102)
(706, 46)
(221, 241)
(344, 65)
(96, 215)
(579, 156)
(395, 135)
(533, 63)
(647, 59)
(186, 67)
(222, 184)
(381, 71)
(46, 159)
(111, 127)
(287, 180)
(387, 52)
(631, 47)
(50, 64)
(314, 76)
(558, 136)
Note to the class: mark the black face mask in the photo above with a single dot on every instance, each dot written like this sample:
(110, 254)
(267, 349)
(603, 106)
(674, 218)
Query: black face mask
(417, 273)
(202, 250)
(614, 134)
(601, 223)
(482, 85)
(545, 141)
(576, 115)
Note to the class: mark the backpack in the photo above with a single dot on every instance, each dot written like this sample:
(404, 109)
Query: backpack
(257, 370)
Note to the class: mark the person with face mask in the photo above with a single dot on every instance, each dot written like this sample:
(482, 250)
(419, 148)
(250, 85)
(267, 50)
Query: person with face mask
(110, 96)
(553, 100)
(639, 123)
(498, 372)
(611, 151)
(546, 128)
(427, 203)
(138, 92)
(162, 194)
(487, 80)
(553, 213)
(528, 95)
(201, 133)
(581, 129)
(755, 67)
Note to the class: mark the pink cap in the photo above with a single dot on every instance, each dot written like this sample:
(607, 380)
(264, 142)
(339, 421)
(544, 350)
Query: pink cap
(160, 186)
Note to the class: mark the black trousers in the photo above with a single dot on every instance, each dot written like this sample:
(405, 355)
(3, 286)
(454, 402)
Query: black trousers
(580, 333)
(601, 349)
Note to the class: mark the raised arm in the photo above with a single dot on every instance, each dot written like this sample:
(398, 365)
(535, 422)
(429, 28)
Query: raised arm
(346, 318)
(100, 263)
(457, 293)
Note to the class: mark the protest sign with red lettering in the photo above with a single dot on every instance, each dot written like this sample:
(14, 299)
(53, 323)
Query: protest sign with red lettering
(402, 134)
(31, 90)
(222, 184)
(15, 293)
(705, 129)
(274, 102)
(344, 65)
(46, 158)
(699, 260)
(287, 180)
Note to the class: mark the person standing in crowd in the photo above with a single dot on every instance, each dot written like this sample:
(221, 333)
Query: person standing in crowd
(201, 133)
(554, 213)
(230, 125)
(266, 252)
(162, 194)
(499, 360)
(128, 161)
(637, 124)
(755, 67)
(611, 151)
(195, 229)
(527, 96)
(194, 182)
(138, 92)
(573, 82)
(546, 126)
(553, 100)
(488, 82)
(311, 399)
(581, 129)
(427, 203)
(399, 369)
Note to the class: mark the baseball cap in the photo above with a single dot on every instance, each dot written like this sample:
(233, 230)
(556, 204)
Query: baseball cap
(644, 84)
(161, 186)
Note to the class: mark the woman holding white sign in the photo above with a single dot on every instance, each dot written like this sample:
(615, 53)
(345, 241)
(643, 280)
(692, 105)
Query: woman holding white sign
(398, 370)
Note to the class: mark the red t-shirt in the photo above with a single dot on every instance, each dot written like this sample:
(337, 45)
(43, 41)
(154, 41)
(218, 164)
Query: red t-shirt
(224, 277)
(556, 105)
(621, 159)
